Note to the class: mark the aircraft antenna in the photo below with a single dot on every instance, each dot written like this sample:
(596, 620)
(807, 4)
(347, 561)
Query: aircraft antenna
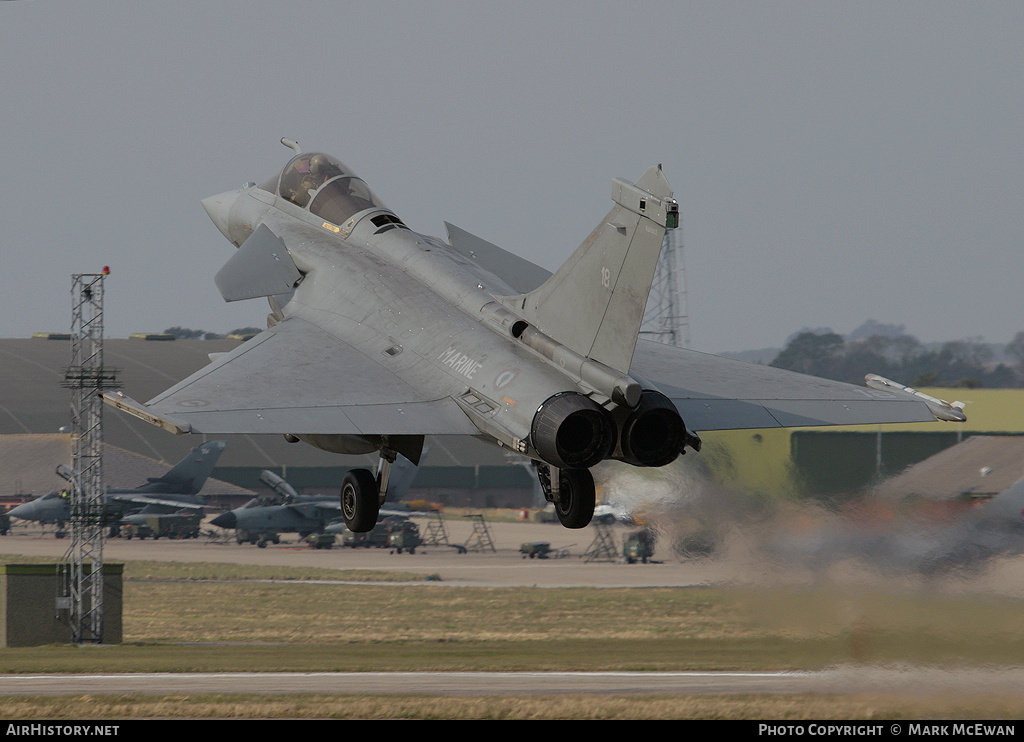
(665, 318)
(80, 582)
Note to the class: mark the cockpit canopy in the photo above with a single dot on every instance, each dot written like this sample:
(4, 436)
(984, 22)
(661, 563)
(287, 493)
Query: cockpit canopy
(325, 186)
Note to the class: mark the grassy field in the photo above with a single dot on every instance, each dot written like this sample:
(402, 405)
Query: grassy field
(777, 708)
(212, 617)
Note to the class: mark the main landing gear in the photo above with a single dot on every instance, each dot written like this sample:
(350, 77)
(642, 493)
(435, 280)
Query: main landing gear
(571, 491)
(360, 503)
(362, 494)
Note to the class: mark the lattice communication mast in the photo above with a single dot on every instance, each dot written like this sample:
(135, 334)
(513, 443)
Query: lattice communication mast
(665, 318)
(86, 377)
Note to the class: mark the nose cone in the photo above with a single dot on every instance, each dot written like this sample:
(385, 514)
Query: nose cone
(25, 511)
(219, 209)
(225, 520)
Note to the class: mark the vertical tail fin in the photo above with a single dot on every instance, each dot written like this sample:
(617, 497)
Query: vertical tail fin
(594, 304)
(189, 475)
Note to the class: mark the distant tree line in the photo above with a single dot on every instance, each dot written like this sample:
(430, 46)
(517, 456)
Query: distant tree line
(185, 333)
(902, 358)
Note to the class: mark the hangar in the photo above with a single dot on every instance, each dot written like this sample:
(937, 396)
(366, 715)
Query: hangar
(456, 471)
(979, 468)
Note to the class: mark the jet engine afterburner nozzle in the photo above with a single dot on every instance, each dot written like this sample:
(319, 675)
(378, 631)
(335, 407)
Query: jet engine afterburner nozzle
(653, 433)
(572, 431)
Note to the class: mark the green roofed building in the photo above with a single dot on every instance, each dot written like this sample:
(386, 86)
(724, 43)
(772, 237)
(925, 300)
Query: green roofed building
(846, 459)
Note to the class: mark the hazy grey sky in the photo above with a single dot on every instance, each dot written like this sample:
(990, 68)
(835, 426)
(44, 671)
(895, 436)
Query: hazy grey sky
(834, 162)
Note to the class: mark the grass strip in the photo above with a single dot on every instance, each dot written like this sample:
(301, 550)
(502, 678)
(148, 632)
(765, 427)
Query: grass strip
(864, 707)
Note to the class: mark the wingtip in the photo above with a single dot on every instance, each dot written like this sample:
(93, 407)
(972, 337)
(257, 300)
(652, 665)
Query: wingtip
(940, 408)
(123, 402)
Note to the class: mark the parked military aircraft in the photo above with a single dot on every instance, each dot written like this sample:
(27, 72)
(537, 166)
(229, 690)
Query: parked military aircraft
(379, 336)
(263, 518)
(176, 489)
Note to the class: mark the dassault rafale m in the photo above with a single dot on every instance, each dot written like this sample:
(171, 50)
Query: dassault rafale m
(379, 336)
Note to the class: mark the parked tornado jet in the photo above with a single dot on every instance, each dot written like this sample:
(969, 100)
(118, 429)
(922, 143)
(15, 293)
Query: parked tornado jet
(263, 518)
(379, 336)
(176, 489)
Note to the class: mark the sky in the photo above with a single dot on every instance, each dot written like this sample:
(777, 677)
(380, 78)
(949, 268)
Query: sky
(834, 162)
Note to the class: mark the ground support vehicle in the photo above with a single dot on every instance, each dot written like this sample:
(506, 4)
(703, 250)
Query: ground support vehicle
(639, 545)
(535, 549)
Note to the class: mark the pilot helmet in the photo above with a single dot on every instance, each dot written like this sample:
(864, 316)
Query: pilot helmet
(318, 164)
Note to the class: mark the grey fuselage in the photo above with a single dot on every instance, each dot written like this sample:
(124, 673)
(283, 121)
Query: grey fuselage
(413, 303)
(304, 515)
(54, 508)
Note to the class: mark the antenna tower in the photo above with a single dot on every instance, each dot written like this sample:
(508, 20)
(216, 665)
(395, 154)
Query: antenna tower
(81, 568)
(665, 319)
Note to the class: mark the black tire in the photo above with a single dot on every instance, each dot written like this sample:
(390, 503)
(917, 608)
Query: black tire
(576, 499)
(360, 504)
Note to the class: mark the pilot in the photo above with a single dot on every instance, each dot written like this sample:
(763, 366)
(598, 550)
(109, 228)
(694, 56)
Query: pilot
(313, 173)
(296, 182)
(321, 169)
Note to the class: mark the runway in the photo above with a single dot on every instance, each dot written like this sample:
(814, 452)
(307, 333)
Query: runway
(842, 680)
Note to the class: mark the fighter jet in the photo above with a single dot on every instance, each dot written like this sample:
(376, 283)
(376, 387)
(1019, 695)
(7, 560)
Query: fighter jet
(262, 519)
(176, 489)
(379, 336)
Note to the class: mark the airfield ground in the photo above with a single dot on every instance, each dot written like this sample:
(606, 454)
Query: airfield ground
(568, 564)
(487, 576)
(505, 565)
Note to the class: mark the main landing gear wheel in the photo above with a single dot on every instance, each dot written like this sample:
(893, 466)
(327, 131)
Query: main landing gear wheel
(360, 502)
(575, 502)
